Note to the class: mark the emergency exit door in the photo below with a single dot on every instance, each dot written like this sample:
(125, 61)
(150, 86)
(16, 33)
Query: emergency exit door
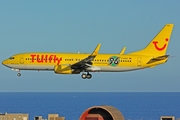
(139, 61)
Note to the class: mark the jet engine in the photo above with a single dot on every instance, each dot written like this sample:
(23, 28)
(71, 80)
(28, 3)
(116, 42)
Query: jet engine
(64, 69)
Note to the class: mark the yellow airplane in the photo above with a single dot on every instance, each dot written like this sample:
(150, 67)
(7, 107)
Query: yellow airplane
(75, 63)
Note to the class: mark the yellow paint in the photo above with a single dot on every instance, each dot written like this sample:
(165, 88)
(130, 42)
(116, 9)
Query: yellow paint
(69, 63)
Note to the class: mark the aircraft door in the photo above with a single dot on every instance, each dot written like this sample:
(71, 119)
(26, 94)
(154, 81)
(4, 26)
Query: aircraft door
(139, 61)
(21, 59)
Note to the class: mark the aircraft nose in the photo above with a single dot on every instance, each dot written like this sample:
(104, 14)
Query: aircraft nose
(4, 62)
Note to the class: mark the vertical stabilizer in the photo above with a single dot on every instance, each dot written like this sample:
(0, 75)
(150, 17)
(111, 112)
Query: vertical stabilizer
(159, 44)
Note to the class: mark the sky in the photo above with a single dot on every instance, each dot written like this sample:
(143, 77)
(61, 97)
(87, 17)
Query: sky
(78, 26)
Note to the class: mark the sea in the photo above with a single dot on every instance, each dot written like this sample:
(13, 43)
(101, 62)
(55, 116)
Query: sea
(133, 106)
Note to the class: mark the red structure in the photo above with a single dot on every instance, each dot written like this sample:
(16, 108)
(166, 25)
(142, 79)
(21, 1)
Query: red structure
(101, 113)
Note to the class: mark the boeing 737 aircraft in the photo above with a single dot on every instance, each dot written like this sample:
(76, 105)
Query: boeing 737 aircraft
(75, 63)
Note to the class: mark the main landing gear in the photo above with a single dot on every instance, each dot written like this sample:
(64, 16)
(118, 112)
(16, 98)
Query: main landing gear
(88, 76)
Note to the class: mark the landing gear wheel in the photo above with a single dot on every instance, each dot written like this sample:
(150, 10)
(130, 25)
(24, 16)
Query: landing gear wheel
(84, 76)
(19, 74)
(89, 76)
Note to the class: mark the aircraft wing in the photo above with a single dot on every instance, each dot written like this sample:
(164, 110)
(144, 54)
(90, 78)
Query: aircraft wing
(86, 62)
(158, 59)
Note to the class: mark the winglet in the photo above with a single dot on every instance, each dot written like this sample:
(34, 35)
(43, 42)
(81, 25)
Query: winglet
(122, 51)
(96, 50)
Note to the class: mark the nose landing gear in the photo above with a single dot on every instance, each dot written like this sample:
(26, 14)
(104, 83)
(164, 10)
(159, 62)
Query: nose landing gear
(17, 70)
(19, 74)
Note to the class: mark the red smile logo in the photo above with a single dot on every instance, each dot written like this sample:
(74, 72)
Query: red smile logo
(160, 48)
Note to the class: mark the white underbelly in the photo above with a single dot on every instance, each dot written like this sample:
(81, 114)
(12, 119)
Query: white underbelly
(118, 69)
(90, 69)
(31, 67)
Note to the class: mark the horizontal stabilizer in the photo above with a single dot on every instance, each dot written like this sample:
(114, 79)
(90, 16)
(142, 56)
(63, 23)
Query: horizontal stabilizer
(158, 59)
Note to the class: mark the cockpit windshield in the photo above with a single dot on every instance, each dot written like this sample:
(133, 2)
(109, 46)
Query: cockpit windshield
(11, 58)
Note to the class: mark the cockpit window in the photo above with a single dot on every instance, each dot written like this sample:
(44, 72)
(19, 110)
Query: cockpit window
(11, 58)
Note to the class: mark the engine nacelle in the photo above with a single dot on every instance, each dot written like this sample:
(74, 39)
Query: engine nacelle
(64, 69)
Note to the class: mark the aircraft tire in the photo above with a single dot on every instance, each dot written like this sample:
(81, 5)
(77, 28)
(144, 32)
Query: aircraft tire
(19, 74)
(89, 76)
(84, 76)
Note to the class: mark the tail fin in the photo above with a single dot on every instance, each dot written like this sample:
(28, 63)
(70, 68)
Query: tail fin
(159, 44)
